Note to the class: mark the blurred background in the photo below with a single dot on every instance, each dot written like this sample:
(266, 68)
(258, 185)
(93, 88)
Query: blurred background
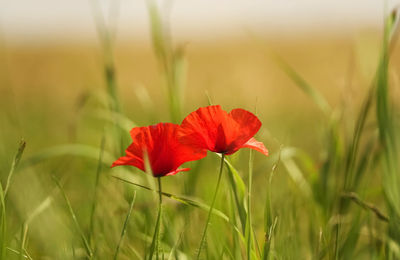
(51, 54)
(63, 62)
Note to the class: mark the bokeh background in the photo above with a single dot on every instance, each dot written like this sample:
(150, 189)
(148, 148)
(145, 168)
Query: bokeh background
(51, 55)
(53, 93)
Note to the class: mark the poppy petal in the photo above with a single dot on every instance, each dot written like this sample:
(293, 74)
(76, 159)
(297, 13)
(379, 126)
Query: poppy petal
(177, 171)
(160, 144)
(256, 145)
(132, 157)
(213, 129)
(248, 126)
(205, 128)
(169, 153)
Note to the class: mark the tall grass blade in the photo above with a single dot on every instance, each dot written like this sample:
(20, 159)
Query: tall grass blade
(174, 248)
(249, 227)
(45, 204)
(24, 232)
(75, 220)
(3, 227)
(269, 223)
(239, 191)
(3, 194)
(80, 150)
(98, 172)
(123, 122)
(18, 253)
(106, 36)
(171, 61)
(368, 206)
(354, 146)
(181, 199)
(192, 203)
(318, 99)
(297, 176)
(388, 133)
(203, 237)
(125, 226)
(14, 165)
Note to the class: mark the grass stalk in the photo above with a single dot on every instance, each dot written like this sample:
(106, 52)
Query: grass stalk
(106, 37)
(368, 206)
(14, 165)
(24, 232)
(203, 237)
(269, 223)
(125, 226)
(75, 220)
(186, 201)
(98, 171)
(3, 195)
(3, 227)
(249, 228)
(171, 61)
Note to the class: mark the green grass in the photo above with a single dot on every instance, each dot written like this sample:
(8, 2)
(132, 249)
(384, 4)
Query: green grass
(338, 198)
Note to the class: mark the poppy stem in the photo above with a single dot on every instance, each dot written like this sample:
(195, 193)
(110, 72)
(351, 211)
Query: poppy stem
(159, 215)
(155, 244)
(203, 238)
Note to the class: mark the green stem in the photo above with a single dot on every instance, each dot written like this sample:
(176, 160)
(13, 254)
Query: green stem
(125, 226)
(249, 226)
(203, 238)
(160, 215)
(93, 210)
(155, 244)
(75, 220)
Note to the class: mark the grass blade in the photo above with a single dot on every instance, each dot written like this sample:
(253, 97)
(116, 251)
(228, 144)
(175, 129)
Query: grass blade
(125, 226)
(318, 99)
(3, 223)
(388, 133)
(106, 37)
(249, 227)
(80, 150)
(269, 224)
(19, 253)
(24, 232)
(181, 199)
(3, 194)
(203, 238)
(171, 61)
(239, 190)
(75, 220)
(368, 206)
(14, 165)
(98, 171)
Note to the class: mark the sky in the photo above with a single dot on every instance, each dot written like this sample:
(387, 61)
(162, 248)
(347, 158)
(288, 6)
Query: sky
(54, 20)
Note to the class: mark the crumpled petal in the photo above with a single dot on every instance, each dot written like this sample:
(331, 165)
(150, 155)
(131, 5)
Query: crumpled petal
(256, 145)
(160, 144)
(214, 129)
(177, 171)
(247, 126)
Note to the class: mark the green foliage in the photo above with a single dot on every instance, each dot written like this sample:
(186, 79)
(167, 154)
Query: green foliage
(171, 61)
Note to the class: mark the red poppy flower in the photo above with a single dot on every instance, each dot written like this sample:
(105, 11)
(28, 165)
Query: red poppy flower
(164, 152)
(216, 130)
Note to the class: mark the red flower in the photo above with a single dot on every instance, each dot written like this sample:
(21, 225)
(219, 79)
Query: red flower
(216, 130)
(164, 152)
